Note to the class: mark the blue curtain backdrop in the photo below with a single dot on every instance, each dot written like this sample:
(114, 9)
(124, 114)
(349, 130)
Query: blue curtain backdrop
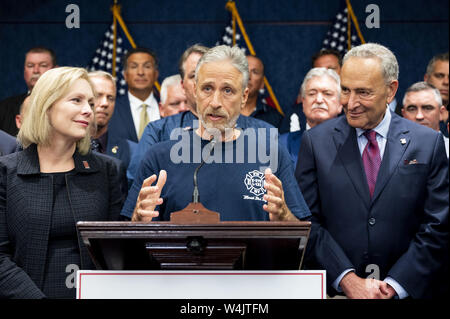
(284, 33)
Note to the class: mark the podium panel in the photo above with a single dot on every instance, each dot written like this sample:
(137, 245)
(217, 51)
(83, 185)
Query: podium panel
(201, 285)
(216, 246)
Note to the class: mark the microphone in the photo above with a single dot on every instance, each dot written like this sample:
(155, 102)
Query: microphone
(195, 194)
(195, 212)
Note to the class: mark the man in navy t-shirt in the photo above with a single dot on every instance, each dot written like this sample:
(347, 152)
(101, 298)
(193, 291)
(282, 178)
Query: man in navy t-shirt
(230, 182)
(245, 175)
(160, 130)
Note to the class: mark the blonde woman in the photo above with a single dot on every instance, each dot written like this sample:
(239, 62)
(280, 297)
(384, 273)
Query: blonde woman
(49, 186)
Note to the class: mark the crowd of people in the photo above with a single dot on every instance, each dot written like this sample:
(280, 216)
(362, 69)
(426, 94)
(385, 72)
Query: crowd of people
(368, 172)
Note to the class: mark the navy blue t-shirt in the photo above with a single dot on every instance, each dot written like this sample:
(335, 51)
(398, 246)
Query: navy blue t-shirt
(231, 180)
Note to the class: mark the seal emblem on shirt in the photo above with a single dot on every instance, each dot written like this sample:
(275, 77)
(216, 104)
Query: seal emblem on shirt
(254, 181)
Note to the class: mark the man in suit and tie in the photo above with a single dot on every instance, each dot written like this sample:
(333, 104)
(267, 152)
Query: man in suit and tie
(295, 117)
(139, 106)
(377, 186)
(320, 94)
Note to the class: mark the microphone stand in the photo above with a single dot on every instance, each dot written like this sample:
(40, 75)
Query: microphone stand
(195, 212)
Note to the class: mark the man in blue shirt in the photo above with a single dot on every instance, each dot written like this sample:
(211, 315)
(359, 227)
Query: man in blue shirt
(239, 179)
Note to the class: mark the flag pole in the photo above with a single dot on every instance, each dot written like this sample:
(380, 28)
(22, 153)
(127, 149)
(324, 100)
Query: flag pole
(234, 28)
(349, 30)
(355, 21)
(231, 6)
(114, 39)
(117, 15)
(123, 26)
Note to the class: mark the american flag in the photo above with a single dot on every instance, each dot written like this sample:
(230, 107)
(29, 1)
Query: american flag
(102, 60)
(227, 36)
(336, 37)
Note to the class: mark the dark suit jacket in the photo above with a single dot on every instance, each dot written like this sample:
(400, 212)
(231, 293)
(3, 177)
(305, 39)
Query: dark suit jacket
(267, 113)
(26, 200)
(121, 123)
(8, 144)
(403, 229)
(9, 108)
(120, 148)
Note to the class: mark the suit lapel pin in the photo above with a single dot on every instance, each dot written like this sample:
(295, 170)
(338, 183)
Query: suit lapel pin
(403, 141)
(86, 165)
(114, 149)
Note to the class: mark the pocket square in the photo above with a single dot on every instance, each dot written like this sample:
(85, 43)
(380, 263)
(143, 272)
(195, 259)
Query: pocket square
(411, 162)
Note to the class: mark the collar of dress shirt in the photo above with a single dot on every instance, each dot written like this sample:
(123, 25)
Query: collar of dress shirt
(136, 103)
(382, 128)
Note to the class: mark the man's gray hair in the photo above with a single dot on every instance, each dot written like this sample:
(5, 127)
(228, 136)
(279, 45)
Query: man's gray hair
(168, 82)
(389, 64)
(232, 54)
(321, 72)
(438, 57)
(424, 86)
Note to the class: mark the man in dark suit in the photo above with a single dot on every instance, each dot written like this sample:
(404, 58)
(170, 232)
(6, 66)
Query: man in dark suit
(139, 106)
(320, 94)
(105, 140)
(294, 119)
(437, 75)
(37, 61)
(8, 144)
(377, 186)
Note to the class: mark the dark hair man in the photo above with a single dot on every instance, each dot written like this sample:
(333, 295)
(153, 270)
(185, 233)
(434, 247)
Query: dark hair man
(139, 106)
(37, 61)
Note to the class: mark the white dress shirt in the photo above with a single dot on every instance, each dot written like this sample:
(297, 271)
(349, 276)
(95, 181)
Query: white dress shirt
(294, 124)
(136, 107)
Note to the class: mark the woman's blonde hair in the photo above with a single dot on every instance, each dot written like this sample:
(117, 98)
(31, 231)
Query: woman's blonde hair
(53, 85)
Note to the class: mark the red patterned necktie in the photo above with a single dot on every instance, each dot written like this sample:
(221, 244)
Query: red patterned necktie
(371, 159)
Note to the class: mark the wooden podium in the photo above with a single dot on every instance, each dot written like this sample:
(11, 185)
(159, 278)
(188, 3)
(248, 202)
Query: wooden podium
(196, 246)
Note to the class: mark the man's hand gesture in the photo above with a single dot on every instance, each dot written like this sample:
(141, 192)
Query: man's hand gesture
(276, 205)
(149, 198)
